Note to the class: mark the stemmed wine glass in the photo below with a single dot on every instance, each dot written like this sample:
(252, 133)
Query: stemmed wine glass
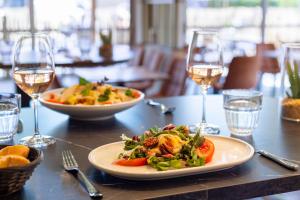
(33, 71)
(205, 67)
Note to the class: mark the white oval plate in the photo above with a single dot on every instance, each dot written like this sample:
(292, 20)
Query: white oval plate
(88, 112)
(229, 152)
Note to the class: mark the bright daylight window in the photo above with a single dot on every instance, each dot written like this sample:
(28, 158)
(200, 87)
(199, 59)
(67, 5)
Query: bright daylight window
(57, 16)
(242, 19)
(232, 17)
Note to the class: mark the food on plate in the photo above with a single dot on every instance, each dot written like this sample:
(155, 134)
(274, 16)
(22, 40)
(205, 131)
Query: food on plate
(14, 156)
(87, 93)
(170, 147)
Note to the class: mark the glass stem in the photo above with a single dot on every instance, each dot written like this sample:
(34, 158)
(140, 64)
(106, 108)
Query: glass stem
(204, 92)
(35, 109)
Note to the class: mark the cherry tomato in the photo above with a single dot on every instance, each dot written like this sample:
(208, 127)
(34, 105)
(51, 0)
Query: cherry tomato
(132, 162)
(136, 94)
(206, 150)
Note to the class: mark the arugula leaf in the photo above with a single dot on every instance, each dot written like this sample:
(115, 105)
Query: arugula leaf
(104, 96)
(83, 81)
(86, 90)
(130, 144)
(128, 92)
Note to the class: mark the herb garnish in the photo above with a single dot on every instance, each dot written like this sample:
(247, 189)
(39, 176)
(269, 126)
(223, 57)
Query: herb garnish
(104, 96)
(129, 93)
(83, 81)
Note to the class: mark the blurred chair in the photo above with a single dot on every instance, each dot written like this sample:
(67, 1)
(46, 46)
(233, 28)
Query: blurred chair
(152, 60)
(138, 54)
(268, 58)
(176, 68)
(242, 74)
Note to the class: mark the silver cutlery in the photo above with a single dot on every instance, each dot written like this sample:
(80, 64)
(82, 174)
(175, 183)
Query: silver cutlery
(164, 109)
(289, 164)
(71, 165)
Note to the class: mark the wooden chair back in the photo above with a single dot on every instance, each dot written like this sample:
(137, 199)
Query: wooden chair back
(137, 58)
(153, 58)
(175, 85)
(268, 64)
(243, 73)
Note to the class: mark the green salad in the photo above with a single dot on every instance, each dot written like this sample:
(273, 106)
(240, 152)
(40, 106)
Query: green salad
(170, 147)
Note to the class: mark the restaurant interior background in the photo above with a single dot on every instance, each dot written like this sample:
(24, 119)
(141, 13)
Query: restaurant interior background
(165, 25)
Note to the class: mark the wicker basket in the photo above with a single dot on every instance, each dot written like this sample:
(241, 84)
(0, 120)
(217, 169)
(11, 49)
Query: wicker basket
(13, 179)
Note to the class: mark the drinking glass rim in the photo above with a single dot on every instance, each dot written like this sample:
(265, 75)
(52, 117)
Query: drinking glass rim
(206, 31)
(242, 93)
(9, 95)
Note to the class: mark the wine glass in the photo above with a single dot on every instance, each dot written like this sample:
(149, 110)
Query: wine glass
(205, 67)
(33, 71)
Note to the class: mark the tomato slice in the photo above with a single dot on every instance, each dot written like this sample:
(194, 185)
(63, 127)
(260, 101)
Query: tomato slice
(206, 150)
(132, 162)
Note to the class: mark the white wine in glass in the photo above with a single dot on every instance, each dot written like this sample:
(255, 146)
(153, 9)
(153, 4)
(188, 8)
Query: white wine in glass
(33, 72)
(205, 67)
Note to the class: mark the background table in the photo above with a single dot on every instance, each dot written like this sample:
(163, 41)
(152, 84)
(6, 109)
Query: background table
(257, 177)
(121, 54)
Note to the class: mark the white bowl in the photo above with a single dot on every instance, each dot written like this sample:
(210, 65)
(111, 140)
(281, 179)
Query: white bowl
(88, 112)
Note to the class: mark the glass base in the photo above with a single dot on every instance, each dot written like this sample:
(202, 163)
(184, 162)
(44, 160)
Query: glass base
(205, 128)
(37, 141)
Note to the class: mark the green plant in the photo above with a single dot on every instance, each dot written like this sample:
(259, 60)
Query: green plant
(294, 79)
(106, 38)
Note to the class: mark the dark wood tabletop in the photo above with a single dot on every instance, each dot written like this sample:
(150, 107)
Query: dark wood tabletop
(257, 177)
(121, 54)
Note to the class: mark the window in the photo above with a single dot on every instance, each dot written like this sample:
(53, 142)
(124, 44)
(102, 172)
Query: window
(232, 17)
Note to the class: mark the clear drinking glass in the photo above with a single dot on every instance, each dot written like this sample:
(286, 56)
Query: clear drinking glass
(85, 43)
(10, 105)
(242, 109)
(33, 72)
(205, 67)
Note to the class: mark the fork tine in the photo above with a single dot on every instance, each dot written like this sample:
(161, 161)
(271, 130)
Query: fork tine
(69, 158)
(72, 158)
(65, 157)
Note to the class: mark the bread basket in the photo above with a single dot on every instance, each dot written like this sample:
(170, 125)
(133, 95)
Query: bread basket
(13, 179)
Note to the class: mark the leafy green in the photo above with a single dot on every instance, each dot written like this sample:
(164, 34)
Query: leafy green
(129, 93)
(294, 80)
(130, 144)
(87, 89)
(105, 95)
(138, 153)
(194, 160)
(163, 164)
(197, 140)
(83, 81)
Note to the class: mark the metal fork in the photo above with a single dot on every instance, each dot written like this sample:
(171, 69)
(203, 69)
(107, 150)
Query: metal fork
(71, 165)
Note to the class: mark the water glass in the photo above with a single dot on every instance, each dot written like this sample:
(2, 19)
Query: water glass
(10, 105)
(85, 43)
(242, 109)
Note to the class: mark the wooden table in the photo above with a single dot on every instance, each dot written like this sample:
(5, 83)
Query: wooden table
(257, 177)
(117, 74)
(121, 54)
